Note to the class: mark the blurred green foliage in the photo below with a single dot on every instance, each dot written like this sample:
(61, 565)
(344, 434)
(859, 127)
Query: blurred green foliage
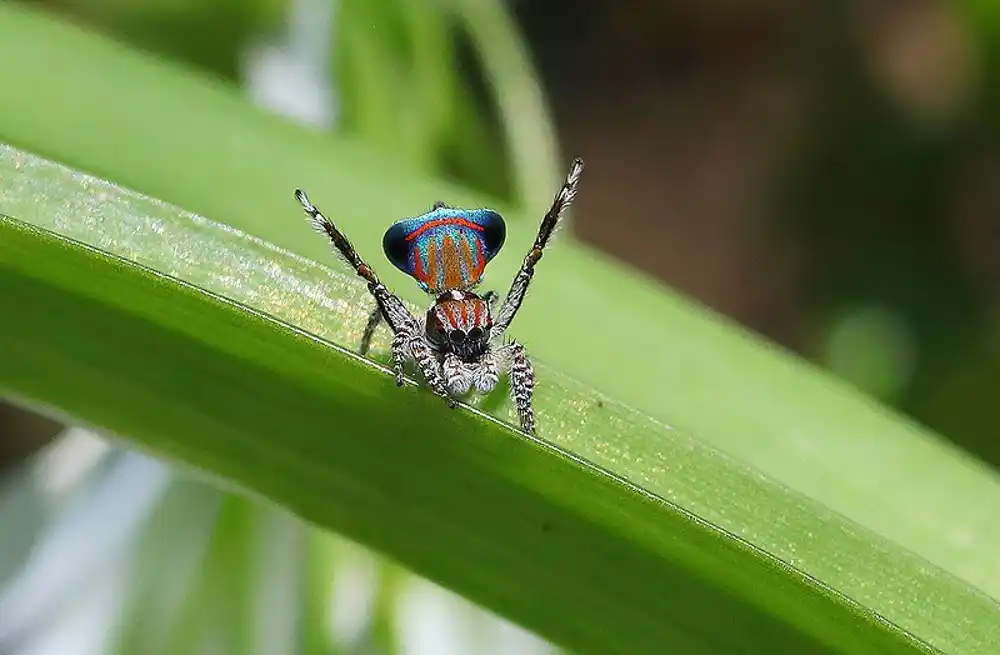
(407, 74)
(401, 87)
(208, 34)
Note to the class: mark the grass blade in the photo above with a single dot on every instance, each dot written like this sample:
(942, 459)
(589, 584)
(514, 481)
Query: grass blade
(188, 140)
(665, 543)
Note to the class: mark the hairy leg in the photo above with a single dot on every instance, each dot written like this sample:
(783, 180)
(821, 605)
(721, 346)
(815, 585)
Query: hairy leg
(366, 339)
(429, 367)
(408, 340)
(522, 383)
(519, 286)
(491, 298)
(400, 349)
(486, 373)
(457, 376)
(390, 306)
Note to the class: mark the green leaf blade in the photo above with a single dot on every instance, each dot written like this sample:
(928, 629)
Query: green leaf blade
(189, 140)
(663, 545)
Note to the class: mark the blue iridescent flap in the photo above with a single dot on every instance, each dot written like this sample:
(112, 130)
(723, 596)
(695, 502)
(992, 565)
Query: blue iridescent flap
(446, 248)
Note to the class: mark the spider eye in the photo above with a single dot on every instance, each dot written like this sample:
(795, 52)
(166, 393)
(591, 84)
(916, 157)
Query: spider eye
(475, 333)
(457, 336)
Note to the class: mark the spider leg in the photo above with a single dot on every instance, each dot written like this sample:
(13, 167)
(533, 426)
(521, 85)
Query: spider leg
(429, 367)
(373, 321)
(407, 330)
(519, 287)
(491, 298)
(400, 349)
(522, 382)
(486, 373)
(457, 376)
(390, 306)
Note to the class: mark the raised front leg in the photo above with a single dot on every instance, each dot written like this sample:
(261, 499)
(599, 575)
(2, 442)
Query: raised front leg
(390, 307)
(408, 340)
(519, 287)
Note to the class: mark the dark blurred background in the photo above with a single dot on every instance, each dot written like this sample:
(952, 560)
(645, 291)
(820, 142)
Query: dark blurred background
(826, 173)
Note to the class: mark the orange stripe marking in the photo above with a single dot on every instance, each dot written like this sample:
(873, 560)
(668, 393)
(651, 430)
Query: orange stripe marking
(452, 265)
(480, 258)
(469, 259)
(432, 263)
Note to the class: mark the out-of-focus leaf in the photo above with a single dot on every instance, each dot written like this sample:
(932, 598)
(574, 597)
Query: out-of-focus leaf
(657, 547)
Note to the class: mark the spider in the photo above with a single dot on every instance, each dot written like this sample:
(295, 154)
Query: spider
(459, 344)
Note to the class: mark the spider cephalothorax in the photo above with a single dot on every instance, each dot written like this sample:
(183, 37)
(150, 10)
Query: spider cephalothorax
(459, 344)
(459, 322)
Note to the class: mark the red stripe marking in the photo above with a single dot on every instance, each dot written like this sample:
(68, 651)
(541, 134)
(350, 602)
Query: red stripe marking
(477, 312)
(443, 221)
(449, 314)
(418, 265)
